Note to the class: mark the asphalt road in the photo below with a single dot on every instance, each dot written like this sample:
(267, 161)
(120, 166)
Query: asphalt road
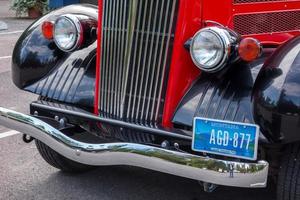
(24, 175)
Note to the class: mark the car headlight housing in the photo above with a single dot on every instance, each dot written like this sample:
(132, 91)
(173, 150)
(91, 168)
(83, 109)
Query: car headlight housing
(211, 48)
(68, 33)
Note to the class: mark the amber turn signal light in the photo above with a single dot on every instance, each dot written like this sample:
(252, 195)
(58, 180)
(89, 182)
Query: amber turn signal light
(47, 29)
(249, 49)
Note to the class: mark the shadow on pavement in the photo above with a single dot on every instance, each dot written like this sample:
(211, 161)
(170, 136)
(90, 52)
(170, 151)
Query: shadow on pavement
(133, 183)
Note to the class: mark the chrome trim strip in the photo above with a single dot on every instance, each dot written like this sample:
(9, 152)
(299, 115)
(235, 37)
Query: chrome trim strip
(252, 175)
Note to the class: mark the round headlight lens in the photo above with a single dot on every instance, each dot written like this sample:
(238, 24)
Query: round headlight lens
(210, 49)
(67, 31)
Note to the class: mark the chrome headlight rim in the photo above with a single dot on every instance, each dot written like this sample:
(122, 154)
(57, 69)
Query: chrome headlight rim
(79, 32)
(224, 37)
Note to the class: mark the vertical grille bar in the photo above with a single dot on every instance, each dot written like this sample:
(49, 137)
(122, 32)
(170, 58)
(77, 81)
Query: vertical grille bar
(157, 18)
(134, 60)
(131, 26)
(139, 76)
(136, 43)
(123, 27)
(160, 62)
(115, 58)
(143, 62)
(111, 58)
(165, 61)
(118, 63)
(104, 59)
(102, 50)
(153, 71)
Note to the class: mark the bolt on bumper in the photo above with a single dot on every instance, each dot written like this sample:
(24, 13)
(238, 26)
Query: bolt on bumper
(249, 175)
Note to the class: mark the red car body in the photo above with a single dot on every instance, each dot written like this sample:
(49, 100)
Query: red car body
(230, 13)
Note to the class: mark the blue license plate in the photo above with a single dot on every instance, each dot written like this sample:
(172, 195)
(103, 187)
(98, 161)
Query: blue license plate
(225, 138)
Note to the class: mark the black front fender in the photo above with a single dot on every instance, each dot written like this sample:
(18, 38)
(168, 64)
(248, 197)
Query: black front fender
(277, 94)
(265, 92)
(225, 98)
(39, 66)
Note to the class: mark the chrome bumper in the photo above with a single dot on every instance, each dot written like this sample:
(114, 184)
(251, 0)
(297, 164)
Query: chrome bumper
(251, 175)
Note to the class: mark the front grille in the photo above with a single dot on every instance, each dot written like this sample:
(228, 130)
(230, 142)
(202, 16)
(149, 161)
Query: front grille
(259, 23)
(137, 38)
(253, 1)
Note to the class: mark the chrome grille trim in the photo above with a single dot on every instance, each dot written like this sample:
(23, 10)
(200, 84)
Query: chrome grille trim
(130, 32)
(134, 60)
(137, 38)
(164, 64)
(150, 57)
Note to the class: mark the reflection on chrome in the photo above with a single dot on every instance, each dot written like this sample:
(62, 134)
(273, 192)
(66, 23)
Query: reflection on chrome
(191, 166)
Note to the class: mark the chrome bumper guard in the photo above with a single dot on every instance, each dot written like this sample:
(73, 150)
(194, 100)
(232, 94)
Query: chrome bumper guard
(251, 175)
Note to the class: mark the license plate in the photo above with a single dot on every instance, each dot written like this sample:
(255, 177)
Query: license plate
(239, 140)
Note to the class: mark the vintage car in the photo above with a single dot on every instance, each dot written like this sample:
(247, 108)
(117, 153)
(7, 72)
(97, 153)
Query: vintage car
(202, 89)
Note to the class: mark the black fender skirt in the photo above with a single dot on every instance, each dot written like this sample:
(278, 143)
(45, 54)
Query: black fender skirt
(277, 94)
(38, 66)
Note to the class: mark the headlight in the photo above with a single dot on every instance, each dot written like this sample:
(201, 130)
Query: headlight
(211, 48)
(68, 34)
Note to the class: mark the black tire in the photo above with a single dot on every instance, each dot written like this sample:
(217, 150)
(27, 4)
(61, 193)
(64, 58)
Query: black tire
(60, 162)
(288, 186)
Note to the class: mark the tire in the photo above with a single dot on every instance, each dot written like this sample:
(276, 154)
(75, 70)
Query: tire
(60, 162)
(288, 185)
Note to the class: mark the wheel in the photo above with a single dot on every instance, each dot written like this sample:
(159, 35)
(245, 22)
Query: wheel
(60, 162)
(288, 186)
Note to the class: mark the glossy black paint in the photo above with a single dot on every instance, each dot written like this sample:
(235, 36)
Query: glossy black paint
(277, 94)
(72, 81)
(226, 97)
(40, 67)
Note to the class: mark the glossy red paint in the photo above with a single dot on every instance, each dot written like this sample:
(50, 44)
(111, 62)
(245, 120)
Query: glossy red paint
(226, 10)
(191, 15)
(267, 7)
(182, 71)
(97, 84)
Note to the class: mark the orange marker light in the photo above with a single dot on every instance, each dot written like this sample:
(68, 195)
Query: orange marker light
(249, 49)
(47, 29)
